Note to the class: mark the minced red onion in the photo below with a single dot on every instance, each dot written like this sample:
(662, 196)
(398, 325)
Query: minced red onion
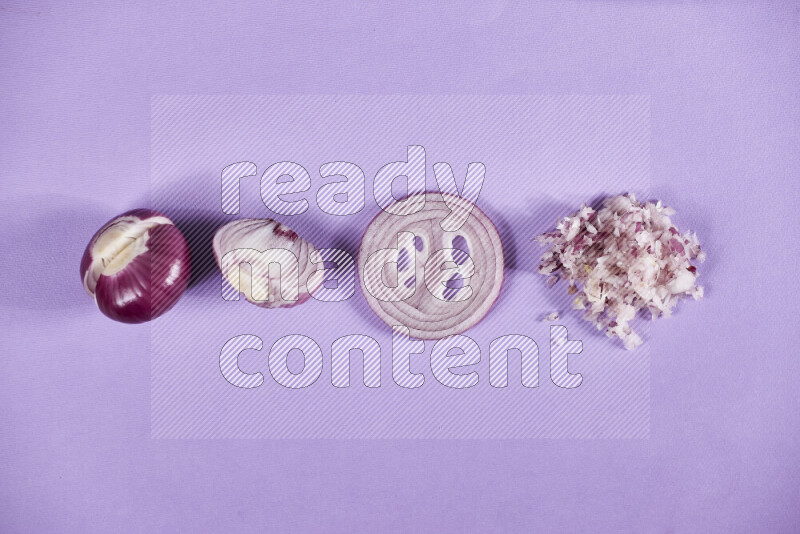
(550, 317)
(623, 258)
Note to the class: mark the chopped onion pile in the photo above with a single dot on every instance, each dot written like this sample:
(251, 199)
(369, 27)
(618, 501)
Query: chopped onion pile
(625, 257)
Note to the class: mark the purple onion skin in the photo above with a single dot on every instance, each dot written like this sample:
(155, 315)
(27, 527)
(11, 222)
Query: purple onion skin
(152, 282)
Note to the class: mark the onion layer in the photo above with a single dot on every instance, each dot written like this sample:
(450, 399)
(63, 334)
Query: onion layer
(437, 283)
(136, 266)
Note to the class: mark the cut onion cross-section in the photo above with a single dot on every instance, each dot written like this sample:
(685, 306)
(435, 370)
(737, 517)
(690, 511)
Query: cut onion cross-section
(434, 281)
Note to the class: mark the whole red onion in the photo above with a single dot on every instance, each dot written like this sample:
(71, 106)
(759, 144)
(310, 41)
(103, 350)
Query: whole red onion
(136, 266)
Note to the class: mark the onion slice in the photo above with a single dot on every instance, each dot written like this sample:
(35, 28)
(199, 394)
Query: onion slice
(464, 271)
(136, 266)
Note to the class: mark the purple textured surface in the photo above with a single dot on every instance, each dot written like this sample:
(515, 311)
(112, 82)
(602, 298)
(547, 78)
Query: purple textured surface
(75, 447)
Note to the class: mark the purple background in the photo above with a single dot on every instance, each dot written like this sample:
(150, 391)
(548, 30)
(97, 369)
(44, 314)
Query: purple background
(75, 451)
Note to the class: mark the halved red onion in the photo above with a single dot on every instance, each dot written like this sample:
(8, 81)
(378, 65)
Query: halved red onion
(136, 266)
(245, 248)
(464, 275)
